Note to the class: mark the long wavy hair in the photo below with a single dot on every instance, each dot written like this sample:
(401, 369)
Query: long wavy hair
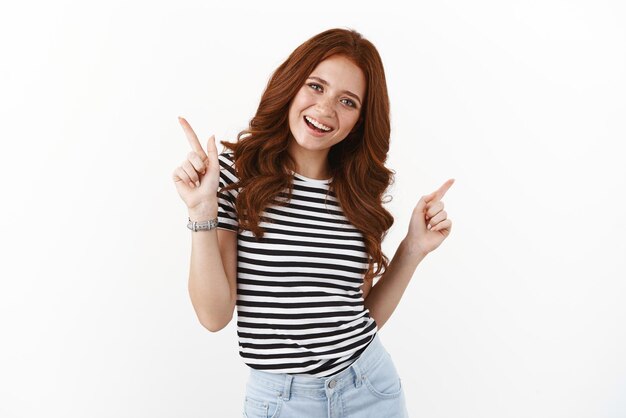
(357, 164)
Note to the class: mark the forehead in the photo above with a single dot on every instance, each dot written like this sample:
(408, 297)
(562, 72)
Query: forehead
(341, 74)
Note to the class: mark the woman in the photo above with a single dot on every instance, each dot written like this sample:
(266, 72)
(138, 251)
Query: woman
(293, 236)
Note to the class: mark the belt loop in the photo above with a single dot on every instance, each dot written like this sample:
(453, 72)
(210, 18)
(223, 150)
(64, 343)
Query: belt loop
(287, 388)
(358, 375)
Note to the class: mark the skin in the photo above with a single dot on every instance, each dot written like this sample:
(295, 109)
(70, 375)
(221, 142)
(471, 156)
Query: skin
(429, 224)
(327, 102)
(197, 178)
(428, 228)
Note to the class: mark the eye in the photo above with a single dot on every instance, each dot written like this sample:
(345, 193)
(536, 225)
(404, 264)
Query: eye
(349, 102)
(315, 86)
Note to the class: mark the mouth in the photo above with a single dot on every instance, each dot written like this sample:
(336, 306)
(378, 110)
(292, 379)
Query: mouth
(316, 126)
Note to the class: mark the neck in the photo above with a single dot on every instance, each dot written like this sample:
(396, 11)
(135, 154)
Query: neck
(311, 164)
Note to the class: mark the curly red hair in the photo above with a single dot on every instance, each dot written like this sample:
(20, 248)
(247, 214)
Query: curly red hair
(357, 164)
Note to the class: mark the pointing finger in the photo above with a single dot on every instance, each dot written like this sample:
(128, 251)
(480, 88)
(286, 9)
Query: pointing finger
(192, 138)
(437, 195)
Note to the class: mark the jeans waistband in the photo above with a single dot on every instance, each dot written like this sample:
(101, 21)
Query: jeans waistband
(317, 386)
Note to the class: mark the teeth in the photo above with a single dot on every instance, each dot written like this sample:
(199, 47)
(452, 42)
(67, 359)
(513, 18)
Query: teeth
(317, 124)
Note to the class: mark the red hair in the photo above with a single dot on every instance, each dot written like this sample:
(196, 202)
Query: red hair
(357, 163)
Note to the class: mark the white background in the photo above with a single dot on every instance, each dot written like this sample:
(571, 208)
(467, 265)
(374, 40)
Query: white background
(519, 313)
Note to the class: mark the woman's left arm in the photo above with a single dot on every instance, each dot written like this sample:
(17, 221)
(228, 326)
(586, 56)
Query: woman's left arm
(383, 298)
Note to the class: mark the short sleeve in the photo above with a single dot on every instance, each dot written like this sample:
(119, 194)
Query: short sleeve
(226, 210)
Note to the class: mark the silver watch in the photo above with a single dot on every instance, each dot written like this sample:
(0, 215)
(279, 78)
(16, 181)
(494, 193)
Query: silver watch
(202, 226)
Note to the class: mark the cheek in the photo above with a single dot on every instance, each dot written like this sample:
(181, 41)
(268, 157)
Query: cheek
(349, 121)
(301, 100)
(295, 108)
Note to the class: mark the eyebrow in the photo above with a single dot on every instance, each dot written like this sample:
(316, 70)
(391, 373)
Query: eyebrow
(349, 93)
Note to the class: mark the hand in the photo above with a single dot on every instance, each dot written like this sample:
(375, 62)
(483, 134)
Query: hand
(429, 213)
(200, 167)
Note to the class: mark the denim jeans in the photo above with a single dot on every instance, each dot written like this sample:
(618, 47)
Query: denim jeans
(370, 387)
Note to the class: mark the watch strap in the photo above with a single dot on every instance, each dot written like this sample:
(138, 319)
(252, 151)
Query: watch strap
(203, 225)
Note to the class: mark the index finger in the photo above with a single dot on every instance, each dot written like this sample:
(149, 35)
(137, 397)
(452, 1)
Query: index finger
(192, 138)
(437, 195)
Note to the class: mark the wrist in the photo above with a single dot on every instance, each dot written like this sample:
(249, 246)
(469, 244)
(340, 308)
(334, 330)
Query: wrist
(203, 226)
(203, 212)
(412, 248)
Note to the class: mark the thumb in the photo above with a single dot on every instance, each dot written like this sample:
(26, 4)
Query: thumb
(421, 205)
(211, 142)
(420, 208)
(211, 150)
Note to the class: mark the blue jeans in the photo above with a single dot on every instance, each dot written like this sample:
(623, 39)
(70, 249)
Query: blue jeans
(370, 387)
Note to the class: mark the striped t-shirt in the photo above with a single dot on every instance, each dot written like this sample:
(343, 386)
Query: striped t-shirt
(300, 308)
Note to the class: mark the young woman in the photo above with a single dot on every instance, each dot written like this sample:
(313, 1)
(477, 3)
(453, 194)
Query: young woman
(292, 238)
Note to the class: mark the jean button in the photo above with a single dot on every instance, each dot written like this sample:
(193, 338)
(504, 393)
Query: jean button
(332, 384)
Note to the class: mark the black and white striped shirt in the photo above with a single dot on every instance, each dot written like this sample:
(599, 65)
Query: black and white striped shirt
(300, 308)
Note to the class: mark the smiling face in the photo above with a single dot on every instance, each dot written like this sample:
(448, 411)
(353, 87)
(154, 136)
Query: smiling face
(325, 109)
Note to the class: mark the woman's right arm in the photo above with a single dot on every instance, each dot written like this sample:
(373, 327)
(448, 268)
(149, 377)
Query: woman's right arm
(212, 274)
(213, 266)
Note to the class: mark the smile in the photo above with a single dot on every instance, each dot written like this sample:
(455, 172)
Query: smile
(316, 126)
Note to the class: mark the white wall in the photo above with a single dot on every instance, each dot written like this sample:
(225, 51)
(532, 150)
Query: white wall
(519, 313)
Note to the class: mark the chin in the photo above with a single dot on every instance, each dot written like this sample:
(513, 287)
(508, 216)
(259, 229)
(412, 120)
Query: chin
(311, 146)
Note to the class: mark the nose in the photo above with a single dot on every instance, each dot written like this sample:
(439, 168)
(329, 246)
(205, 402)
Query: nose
(325, 106)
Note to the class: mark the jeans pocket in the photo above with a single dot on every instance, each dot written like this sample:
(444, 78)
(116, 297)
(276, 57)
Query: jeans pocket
(261, 408)
(382, 379)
